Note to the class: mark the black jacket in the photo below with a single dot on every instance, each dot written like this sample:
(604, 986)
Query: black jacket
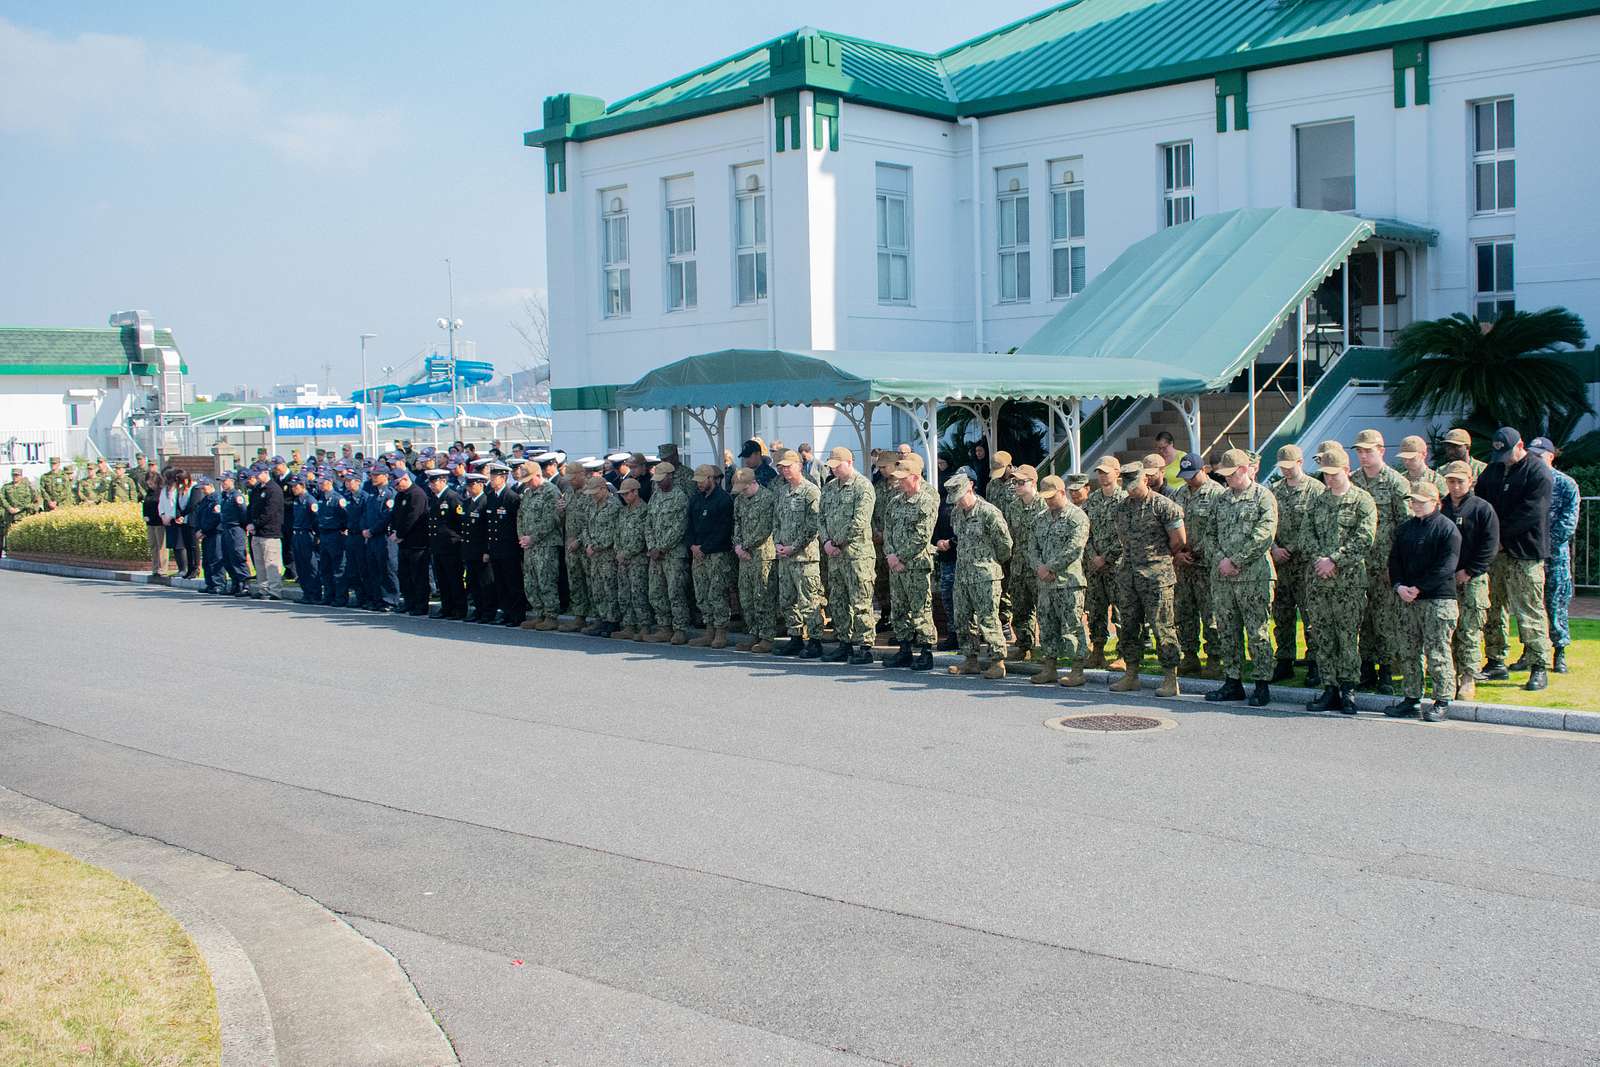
(1520, 496)
(498, 522)
(447, 521)
(266, 509)
(1480, 533)
(944, 531)
(710, 521)
(1425, 554)
(410, 517)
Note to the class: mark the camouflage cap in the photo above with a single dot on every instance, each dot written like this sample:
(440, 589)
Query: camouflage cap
(1024, 473)
(1109, 464)
(597, 487)
(1332, 456)
(1289, 455)
(1457, 469)
(958, 483)
(628, 485)
(1413, 447)
(1131, 468)
(1369, 439)
(1424, 491)
(1077, 481)
(1051, 487)
(1233, 459)
(16, 472)
(743, 476)
(55, 459)
(1458, 436)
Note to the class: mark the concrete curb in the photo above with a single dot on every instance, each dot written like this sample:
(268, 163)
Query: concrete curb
(1285, 698)
(295, 984)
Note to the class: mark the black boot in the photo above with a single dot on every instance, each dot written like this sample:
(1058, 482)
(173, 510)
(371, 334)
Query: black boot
(812, 649)
(1369, 675)
(1327, 700)
(860, 655)
(923, 660)
(792, 647)
(1232, 689)
(902, 658)
(1261, 696)
(1438, 711)
(1347, 700)
(947, 643)
(1313, 675)
(1559, 665)
(1404, 708)
(1385, 680)
(1521, 663)
(1283, 671)
(1537, 679)
(840, 653)
(1495, 670)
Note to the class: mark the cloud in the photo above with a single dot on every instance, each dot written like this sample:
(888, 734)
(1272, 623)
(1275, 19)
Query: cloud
(114, 87)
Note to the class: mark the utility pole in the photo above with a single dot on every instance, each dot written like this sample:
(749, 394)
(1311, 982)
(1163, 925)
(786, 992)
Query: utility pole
(365, 399)
(452, 324)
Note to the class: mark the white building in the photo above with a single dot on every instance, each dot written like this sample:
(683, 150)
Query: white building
(77, 392)
(818, 191)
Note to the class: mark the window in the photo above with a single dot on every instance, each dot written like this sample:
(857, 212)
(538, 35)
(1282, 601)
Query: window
(614, 428)
(618, 295)
(1494, 163)
(1177, 196)
(894, 234)
(682, 284)
(1067, 266)
(749, 236)
(1496, 280)
(72, 415)
(1325, 166)
(1011, 215)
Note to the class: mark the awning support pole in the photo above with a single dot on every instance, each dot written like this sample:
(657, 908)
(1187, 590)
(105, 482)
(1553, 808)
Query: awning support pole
(1252, 405)
(1189, 408)
(1074, 426)
(1380, 294)
(924, 420)
(866, 434)
(993, 420)
(1300, 356)
(1344, 331)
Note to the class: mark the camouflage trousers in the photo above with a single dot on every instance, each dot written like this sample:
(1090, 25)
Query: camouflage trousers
(1006, 611)
(633, 593)
(977, 621)
(1472, 608)
(1516, 588)
(601, 571)
(850, 597)
(1558, 595)
(1022, 589)
(800, 597)
(713, 580)
(669, 590)
(758, 595)
(579, 598)
(1291, 600)
(1380, 638)
(541, 580)
(1338, 605)
(911, 603)
(1192, 603)
(1100, 597)
(1244, 611)
(1426, 630)
(1145, 602)
(1061, 635)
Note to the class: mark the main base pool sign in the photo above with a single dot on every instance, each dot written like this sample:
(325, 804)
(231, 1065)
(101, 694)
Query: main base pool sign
(342, 421)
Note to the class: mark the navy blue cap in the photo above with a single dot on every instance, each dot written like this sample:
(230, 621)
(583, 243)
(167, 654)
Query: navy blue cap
(297, 479)
(353, 473)
(1190, 465)
(1542, 445)
(1504, 440)
(203, 480)
(278, 459)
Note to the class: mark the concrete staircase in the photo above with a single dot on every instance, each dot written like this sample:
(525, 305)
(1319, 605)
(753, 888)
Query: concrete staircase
(1216, 410)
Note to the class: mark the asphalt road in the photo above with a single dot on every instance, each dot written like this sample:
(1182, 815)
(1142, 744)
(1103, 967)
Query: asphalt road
(704, 857)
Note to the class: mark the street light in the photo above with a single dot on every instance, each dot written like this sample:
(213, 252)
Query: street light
(452, 325)
(365, 398)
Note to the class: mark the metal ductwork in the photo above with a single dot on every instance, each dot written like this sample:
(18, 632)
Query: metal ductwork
(143, 322)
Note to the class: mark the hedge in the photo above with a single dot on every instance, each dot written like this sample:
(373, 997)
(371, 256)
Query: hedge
(98, 532)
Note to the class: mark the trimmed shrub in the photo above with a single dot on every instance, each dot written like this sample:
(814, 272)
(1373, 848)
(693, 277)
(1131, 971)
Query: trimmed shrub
(99, 532)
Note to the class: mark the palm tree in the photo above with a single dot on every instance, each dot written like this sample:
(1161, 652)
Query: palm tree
(1504, 373)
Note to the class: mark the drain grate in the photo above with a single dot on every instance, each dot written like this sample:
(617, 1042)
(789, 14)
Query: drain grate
(1108, 723)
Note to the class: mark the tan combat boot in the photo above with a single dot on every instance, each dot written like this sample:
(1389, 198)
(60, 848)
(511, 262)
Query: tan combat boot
(530, 624)
(658, 635)
(1097, 658)
(700, 642)
(1047, 672)
(1191, 666)
(995, 670)
(1128, 683)
(967, 666)
(747, 645)
(762, 645)
(1073, 678)
(679, 637)
(1467, 688)
(1169, 683)
(1116, 661)
(546, 624)
(627, 634)
(720, 638)
(643, 634)
(573, 625)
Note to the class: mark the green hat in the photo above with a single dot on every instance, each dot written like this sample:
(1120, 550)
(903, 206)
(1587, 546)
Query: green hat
(55, 459)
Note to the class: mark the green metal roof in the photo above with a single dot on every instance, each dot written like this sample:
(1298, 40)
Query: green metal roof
(1075, 50)
(73, 350)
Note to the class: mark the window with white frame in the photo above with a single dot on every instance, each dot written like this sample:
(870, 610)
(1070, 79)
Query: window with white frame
(683, 290)
(616, 285)
(1068, 266)
(1494, 156)
(894, 234)
(749, 236)
(1011, 220)
(614, 428)
(1495, 291)
(1325, 166)
(1177, 183)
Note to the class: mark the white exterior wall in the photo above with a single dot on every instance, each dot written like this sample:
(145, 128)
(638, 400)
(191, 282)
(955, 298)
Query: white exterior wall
(34, 410)
(1412, 163)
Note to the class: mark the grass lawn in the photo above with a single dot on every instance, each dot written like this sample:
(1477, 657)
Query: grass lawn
(92, 971)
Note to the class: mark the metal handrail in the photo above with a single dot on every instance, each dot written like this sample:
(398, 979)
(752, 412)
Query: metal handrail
(1250, 402)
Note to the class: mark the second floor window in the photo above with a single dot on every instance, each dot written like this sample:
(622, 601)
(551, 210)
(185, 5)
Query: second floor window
(894, 234)
(749, 237)
(1494, 156)
(1177, 189)
(1325, 166)
(683, 291)
(1068, 267)
(1011, 216)
(617, 297)
(1496, 283)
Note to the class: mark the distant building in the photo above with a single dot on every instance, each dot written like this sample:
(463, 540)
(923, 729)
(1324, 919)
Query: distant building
(78, 392)
(308, 395)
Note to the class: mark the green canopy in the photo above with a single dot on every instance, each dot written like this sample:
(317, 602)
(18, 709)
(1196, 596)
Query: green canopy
(1206, 296)
(739, 376)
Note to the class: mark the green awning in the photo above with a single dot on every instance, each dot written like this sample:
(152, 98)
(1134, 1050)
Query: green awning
(777, 377)
(1206, 296)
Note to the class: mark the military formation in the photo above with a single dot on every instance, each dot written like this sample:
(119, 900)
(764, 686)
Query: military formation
(1387, 570)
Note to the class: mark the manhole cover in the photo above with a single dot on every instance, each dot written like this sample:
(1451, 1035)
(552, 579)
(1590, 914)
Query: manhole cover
(1104, 723)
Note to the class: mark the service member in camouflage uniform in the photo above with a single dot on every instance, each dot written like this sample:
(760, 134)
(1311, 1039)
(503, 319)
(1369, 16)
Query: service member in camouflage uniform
(912, 509)
(120, 487)
(599, 547)
(1457, 447)
(633, 565)
(1102, 558)
(539, 534)
(1564, 504)
(754, 512)
(18, 500)
(999, 492)
(1340, 530)
(797, 516)
(1239, 551)
(846, 536)
(577, 506)
(1149, 528)
(1480, 543)
(1022, 585)
(1296, 492)
(1197, 496)
(1055, 561)
(55, 486)
(1389, 490)
(983, 544)
(1413, 456)
(88, 489)
(666, 521)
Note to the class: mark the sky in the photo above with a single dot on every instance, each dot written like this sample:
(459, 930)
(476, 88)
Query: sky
(271, 181)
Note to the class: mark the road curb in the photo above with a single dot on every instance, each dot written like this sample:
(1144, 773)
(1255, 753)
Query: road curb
(295, 984)
(1285, 698)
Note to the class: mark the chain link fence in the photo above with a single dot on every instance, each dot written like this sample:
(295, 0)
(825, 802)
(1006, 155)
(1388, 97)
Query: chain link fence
(1586, 547)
